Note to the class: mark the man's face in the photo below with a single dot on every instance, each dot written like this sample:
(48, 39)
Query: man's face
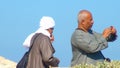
(88, 22)
(51, 30)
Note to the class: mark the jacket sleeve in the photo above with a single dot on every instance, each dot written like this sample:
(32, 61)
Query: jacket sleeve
(89, 44)
(47, 53)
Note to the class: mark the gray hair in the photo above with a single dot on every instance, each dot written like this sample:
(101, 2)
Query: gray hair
(82, 15)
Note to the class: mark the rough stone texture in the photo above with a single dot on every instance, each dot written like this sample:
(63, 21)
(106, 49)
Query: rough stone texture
(5, 63)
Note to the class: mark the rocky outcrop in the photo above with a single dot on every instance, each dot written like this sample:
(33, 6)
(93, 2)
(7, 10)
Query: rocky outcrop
(5, 63)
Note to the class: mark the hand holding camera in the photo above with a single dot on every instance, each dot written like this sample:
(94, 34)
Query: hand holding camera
(110, 34)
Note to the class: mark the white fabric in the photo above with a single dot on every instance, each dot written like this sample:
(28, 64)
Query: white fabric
(45, 23)
(27, 41)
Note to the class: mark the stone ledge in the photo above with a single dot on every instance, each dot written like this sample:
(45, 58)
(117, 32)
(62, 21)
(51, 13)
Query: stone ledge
(5, 63)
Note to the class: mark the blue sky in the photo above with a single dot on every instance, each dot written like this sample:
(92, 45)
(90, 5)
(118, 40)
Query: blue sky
(19, 18)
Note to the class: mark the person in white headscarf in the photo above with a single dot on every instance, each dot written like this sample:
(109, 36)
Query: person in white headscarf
(41, 54)
(45, 23)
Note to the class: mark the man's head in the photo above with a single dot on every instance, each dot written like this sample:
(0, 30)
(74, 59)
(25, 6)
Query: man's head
(47, 23)
(85, 20)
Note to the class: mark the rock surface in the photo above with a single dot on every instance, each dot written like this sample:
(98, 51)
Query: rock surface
(5, 63)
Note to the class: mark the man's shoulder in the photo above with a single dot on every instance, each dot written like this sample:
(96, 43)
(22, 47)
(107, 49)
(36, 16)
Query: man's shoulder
(42, 36)
(78, 32)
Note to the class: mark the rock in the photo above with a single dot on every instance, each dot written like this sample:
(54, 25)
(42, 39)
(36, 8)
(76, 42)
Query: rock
(5, 63)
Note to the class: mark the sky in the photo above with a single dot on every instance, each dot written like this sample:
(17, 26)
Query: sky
(19, 18)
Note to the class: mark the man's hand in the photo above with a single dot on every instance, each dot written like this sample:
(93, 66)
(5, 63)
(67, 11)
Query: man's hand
(107, 32)
(110, 34)
(52, 38)
(113, 30)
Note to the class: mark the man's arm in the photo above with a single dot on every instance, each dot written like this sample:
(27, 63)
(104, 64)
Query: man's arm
(47, 53)
(90, 45)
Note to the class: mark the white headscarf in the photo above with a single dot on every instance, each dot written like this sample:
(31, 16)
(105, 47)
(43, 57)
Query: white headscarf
(46, 22)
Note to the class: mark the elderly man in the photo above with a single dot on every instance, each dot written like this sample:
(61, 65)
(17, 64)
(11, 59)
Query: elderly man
(86, 43)
(41, 54)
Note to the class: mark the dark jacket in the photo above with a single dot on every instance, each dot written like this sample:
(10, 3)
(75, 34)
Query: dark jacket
(41, 54)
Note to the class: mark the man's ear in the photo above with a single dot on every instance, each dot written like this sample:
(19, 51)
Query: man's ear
(82, 22)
